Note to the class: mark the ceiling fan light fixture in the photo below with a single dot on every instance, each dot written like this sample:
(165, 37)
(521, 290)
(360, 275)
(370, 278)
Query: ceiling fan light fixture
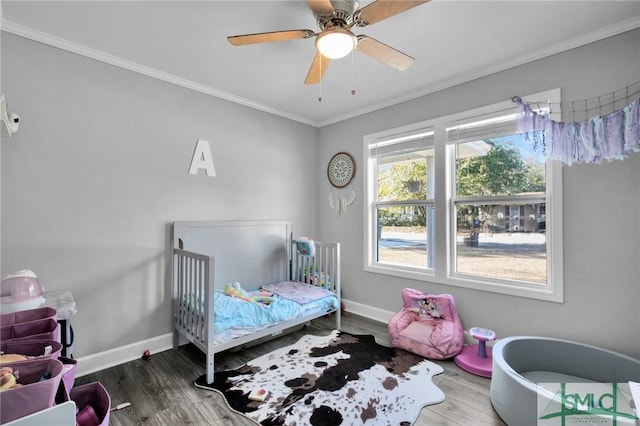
(335, 43)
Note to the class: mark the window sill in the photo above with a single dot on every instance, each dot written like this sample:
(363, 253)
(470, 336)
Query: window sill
(529, 291)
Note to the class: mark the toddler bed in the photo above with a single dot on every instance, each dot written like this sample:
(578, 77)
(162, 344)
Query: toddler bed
(235, 282)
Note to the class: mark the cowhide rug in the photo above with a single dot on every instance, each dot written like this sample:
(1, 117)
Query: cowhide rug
(340, 379)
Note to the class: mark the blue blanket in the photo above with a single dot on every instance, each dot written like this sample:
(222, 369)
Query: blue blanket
(231, 312)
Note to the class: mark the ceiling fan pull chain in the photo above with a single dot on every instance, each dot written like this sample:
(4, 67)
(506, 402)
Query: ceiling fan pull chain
(320, 79)
(353, 72)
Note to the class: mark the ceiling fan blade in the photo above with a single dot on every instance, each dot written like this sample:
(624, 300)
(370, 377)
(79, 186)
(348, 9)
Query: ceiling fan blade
(383, 9)
(385, 54)
(320, 7)
(245, 39)
(318, 67)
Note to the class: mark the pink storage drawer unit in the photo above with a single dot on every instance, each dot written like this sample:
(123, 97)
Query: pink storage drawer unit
(34, 330)
(93, 403)
(28, 316)
(40, 323)
(40, 380)
(30, 347)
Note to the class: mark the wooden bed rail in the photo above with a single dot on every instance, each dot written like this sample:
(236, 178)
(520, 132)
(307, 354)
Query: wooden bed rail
(322, 269)
(193, 279)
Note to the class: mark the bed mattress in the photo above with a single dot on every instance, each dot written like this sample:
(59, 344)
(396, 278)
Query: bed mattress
(234, 317)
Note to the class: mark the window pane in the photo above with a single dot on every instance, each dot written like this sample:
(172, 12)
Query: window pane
(499, 166)
(405, 235)
(406, 176)
(502, 241)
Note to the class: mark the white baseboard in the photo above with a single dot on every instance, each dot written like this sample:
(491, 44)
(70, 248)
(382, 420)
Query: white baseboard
(112, 357)
(366, 311)
(102, 360)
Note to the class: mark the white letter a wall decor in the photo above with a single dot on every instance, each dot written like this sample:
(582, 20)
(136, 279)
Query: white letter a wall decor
(202, 159)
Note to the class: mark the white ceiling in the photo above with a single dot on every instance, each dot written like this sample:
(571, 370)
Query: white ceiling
(185, 42)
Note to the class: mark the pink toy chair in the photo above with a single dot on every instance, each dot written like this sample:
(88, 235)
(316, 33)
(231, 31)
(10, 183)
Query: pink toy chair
(428, 325)
(477, 359)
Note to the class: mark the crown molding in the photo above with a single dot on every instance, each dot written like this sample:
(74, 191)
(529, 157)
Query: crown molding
(79, 49)
(572, 43)
(98, 55)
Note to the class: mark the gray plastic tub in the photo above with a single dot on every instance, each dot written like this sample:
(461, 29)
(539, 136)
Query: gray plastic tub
(519, 363)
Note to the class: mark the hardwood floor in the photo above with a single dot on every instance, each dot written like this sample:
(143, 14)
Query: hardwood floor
(161, 390)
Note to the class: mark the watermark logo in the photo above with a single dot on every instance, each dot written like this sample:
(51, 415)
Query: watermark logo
(601, 404)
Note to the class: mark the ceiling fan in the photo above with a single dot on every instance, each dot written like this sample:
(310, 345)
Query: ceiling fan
(335, 40)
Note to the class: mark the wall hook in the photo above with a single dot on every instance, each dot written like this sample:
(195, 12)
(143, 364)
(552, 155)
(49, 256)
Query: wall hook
(11, 121)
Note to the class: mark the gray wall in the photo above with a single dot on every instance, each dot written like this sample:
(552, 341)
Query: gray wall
(601, 208)
(99, 170)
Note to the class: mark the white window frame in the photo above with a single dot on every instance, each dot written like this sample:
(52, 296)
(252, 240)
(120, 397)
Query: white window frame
(444, 211)
(415, 131)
